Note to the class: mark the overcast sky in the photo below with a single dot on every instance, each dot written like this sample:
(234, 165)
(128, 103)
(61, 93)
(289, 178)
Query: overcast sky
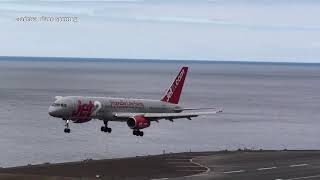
(248, 30)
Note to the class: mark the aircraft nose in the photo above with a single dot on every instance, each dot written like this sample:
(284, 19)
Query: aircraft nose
(52, 111)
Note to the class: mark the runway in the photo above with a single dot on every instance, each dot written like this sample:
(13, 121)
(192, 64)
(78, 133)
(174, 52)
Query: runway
(272, 165)
(262, 165)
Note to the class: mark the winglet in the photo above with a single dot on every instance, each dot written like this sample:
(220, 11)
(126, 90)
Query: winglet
(172, 95)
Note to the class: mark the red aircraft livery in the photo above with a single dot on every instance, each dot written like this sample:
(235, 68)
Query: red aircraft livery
(137, 113)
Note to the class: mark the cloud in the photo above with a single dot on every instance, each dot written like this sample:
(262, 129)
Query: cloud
(193, 29)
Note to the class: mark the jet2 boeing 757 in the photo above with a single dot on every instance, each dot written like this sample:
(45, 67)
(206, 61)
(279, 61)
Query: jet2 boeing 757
(137, 113)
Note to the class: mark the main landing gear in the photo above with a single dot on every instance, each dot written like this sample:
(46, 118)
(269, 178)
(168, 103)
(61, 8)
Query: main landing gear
(137, 133)
(67, 129)
(105, 128)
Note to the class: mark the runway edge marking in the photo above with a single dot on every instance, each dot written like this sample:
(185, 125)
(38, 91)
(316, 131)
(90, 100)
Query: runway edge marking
(198, 164)
(298, 165)
(297, 178)
(230, 172)
(202, 173)
(266, 168)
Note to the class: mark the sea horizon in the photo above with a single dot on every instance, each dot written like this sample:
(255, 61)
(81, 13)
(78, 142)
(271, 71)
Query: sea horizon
(147, 60)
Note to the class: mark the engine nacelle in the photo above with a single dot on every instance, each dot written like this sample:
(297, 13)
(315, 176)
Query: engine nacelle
(138, 122)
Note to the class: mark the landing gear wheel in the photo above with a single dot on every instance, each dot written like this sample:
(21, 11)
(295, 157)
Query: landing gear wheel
(137, 133)
(67, 130)
(105, 128)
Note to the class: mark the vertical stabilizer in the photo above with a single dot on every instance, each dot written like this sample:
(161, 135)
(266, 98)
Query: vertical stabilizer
(174, 91)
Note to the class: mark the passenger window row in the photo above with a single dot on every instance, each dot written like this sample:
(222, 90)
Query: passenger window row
(59, 105)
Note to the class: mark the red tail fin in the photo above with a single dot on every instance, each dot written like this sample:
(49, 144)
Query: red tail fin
(173, 93)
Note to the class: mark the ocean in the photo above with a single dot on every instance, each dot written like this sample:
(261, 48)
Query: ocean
(265, 106)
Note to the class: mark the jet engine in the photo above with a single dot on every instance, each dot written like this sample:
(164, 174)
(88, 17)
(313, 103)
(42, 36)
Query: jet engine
(138, 122)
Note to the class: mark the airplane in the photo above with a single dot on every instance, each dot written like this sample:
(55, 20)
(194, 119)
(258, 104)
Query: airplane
(137, 113)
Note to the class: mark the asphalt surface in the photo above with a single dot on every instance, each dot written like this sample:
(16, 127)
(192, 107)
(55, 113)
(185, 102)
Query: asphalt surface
(246, 165)
(146, 167)
(272, 165)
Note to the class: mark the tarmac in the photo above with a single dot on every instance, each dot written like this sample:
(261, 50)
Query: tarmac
(223, 165)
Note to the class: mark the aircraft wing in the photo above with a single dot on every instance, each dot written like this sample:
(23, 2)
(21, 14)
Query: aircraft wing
(192, 109)
(168, 116)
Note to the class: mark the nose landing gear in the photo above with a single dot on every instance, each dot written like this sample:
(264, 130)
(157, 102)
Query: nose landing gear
(67, 129)
(105, 128)
(137, 133)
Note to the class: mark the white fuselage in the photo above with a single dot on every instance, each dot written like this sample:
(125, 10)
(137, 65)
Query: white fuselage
(104, 108)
